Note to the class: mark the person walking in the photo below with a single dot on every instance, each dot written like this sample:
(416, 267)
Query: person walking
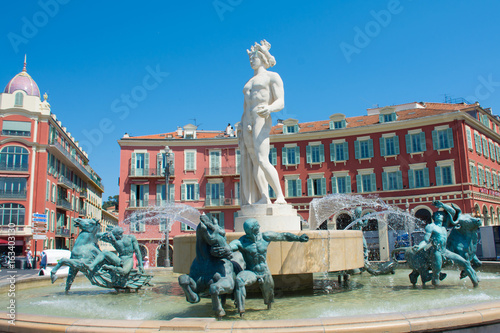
(29, 259)
(43, 260)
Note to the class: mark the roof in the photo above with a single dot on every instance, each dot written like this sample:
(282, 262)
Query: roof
(23, 81)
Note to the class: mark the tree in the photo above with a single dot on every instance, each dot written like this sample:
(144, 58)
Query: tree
(112, 201)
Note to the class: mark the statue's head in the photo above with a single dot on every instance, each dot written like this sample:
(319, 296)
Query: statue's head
(117, 232)
(251, 227)
(88, 225)
(260, 56)
(439, 216)
(357, 212)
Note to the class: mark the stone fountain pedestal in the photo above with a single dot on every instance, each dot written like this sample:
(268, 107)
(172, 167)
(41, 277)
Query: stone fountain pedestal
(271, 217)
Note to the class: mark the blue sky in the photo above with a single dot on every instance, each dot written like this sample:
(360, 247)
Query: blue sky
(333, 56)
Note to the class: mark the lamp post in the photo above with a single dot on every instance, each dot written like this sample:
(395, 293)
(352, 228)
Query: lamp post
(168, 163)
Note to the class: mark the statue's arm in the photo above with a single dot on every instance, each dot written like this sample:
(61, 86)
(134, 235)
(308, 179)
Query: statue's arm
(427, 238)
(106, 237)
(450, 210)
(278, 92)
(271, 236)
(138, 253)
(235, 245)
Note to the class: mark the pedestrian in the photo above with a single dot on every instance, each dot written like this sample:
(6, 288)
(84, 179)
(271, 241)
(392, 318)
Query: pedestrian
(29, 259)
(43, 260)
(146, 262)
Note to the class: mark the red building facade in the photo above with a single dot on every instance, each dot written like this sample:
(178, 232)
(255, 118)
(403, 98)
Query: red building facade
(42, 170)
(409, 155)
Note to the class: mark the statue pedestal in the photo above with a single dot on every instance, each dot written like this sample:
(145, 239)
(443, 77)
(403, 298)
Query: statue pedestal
(271, 217)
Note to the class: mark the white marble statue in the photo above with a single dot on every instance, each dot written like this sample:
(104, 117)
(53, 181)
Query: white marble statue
(263, 94)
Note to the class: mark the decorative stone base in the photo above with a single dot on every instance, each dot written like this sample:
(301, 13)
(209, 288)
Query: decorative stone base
(271, 217)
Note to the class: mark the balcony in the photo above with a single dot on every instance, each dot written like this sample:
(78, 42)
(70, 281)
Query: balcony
(63, 204)
(19, 230)
(16, 133)
(19, 168)
(222, 202)
(64, 182)
(218, 172)
(142, 173)
(62, 232)
(7, 194)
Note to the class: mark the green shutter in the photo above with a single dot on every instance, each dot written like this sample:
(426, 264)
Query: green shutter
(221, 191)
(132, 164)
(289, 186)
(471, 168)
(197, 191)
(400, 180)
(435, 143)
(146, 164)
(183, 192)
(370, 147)
(411, 179)
(159, 164)
(321, 153)
(356, 149)
(308, 154)
(348, 184)
(221, 219)
(296, 128)
(332, 126)
(309, 187)
(299, 187)
(344, 124)
(449, 132)
(439, 181)
(158, 195)
(208, 196)
(423, 143)
(380, 118)
(274, 156)
(171, 192)
(323, 186)
(382, 146)
(146, 195)
(346, 152)
(285, 129)
(334, 184)
(284, 158)
(408, 143)
(332, 152)
(477, 141)
(133, 188)
(359, 183)
(373, 181)
(426, 177)
(396, 145)
(384, 181)
(297, 155)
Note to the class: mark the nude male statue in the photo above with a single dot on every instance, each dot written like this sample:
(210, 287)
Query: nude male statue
(125, 245)
(253, 246)
(263, 94)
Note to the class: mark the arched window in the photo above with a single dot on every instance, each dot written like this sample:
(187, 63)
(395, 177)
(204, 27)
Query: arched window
(19, 99)
(14, 158)
(11, 213)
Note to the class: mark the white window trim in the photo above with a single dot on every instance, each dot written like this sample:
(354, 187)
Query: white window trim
(339, 174)
(391, 168)
(445, 163)
(418, 166)
(315, 143)
(388, 135)
(338, 141)
(365, 171)
(290, 145)
(441, 128)
(141, 151)
(316, 175)
(214, 181)
(292, 177)
(363, 138)
(415, 131)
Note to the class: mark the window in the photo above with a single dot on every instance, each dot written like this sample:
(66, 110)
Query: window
(487, 177)
(289, 129)
(492, 151)
(442, 139)
(293, 187)
(215, 194)
(190, 191)
(12, 213)
(271, 192)
(161, 195)
(469, 138)
(16, 128)
(366, 182)
(485, 147)
(237, 158)
(164, 222)
(485, 120)
(54, 192)
(190, 160)
(337, 124)
(13, 188)
(315, 153)
(237, 187)
(388, 117)
(139, 164)
(444, 175)
(14, 158)
(19, 99)
(477, 140)
(363, 148)
(339, 151)
(219, 216)
(415, 143)
(290, 155)
(163, 159)
(480, 172)
(418, 177)
(139, 195)
(272, 156)
(341, 184)
(392, 180)
(215, 162)
(137, 224)
(316, 186)
(389, 146)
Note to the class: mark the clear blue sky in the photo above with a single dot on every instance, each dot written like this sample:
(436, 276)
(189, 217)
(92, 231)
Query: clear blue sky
(333, 56)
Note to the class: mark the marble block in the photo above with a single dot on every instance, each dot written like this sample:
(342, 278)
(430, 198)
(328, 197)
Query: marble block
(271, 217)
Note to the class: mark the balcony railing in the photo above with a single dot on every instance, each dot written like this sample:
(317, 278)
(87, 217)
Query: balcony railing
(6, 194)
(156, 172)
(226, 171)
(62, 232)
(64, 182)
(5, 167)
(76, 163)
(16, 133)
(210, 202)
(64, 204)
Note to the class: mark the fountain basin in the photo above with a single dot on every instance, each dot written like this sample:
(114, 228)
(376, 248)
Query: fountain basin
(382, 303)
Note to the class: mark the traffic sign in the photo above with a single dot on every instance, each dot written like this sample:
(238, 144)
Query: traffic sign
(40, 215)
(40, 220)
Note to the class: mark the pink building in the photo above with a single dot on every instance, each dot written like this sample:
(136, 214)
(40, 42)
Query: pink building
(409, 155)
(42, 170)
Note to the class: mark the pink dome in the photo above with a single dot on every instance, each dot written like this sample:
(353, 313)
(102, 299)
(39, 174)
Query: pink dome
(23, 81)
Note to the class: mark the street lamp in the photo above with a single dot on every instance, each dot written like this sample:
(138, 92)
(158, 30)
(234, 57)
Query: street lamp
(168, 164)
